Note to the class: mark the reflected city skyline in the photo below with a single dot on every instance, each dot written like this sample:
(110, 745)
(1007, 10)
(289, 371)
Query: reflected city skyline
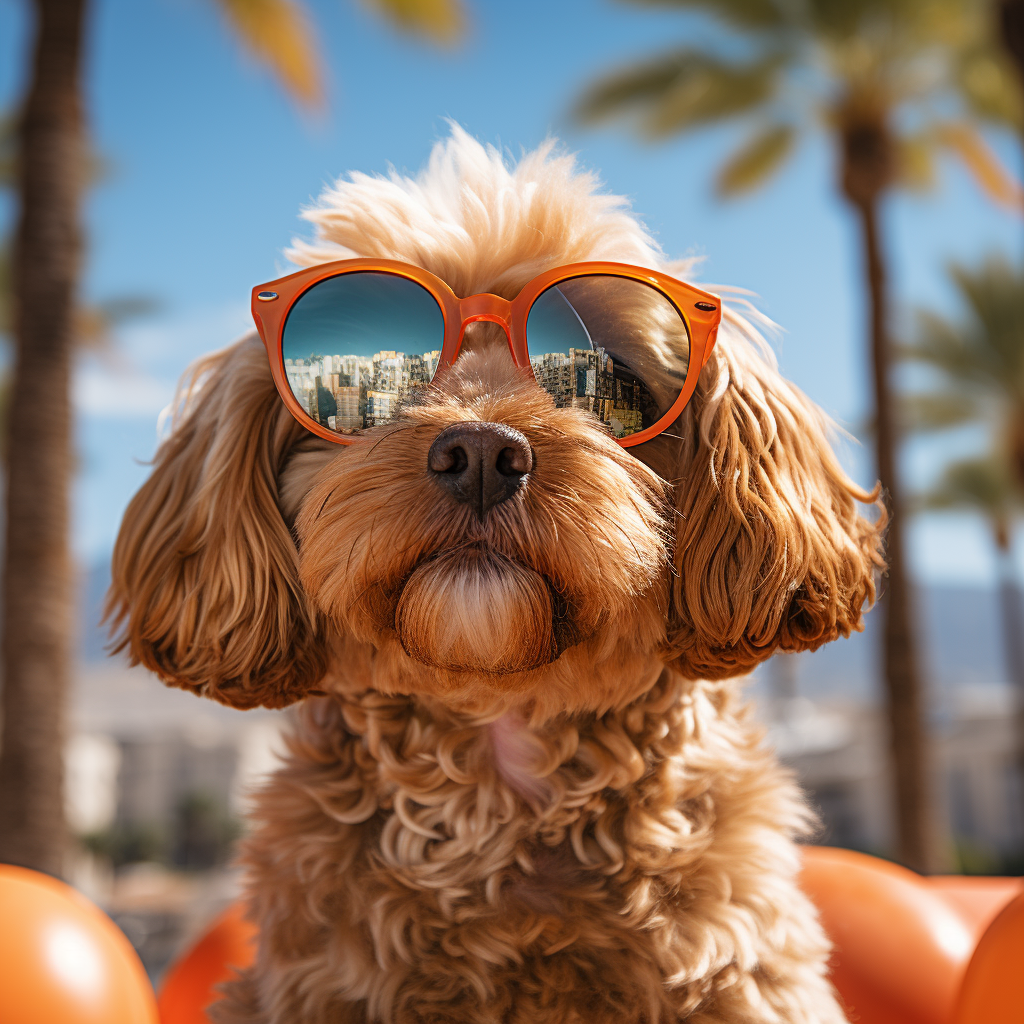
(349, 393)
(591, 380)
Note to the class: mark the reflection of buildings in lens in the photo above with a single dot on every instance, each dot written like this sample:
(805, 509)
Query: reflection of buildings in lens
(589, 379)
(347, 393)
(349, 401)
(326, 406)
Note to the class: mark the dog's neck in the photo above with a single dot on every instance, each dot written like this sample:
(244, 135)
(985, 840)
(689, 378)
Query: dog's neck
(438, 777)
(403, 841)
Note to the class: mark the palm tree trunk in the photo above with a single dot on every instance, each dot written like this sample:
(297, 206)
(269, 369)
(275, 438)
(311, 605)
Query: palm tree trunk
(918, 834)
(37, 584)
(1012, 613)
(1011, 27)
(1011, 24)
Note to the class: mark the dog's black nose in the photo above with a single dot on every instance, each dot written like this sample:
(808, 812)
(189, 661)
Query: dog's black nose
(480, 464)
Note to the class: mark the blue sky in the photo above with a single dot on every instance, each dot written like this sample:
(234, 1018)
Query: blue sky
(211, 165)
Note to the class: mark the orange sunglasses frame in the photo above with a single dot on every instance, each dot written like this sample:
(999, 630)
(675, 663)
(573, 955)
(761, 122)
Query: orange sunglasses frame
(272, 302)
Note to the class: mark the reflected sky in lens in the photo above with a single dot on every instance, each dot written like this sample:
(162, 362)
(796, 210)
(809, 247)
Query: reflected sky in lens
(554, 326)
(355, 346)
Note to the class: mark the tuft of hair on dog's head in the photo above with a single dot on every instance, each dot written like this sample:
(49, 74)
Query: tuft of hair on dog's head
(259, 564)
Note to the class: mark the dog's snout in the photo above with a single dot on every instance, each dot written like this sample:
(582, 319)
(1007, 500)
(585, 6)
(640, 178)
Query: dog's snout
(480, 464)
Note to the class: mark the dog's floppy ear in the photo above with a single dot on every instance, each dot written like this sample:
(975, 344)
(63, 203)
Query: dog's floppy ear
(205, 586)
(772, 549)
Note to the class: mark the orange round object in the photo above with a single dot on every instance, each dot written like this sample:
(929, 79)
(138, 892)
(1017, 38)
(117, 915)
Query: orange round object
(993, 988)
(900, 948)
(62, 959)
(190, 985)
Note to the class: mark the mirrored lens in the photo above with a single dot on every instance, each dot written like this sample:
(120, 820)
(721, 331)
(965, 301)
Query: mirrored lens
(615, 347)
(357, 346)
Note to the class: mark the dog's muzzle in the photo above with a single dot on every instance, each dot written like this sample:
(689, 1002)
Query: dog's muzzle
(480, 464)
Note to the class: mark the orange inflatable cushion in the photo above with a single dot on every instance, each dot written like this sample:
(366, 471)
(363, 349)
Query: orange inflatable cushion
(62, 960)
(190, 985)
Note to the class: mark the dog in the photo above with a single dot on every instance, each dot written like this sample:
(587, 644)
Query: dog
(521, 786)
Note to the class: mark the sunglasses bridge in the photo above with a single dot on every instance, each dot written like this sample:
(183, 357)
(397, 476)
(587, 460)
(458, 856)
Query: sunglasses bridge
(491, 308)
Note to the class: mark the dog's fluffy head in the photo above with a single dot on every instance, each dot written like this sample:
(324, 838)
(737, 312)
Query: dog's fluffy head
(259, 563)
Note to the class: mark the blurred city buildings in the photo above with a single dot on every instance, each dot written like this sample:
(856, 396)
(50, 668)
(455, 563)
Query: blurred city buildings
(158, 778)
(824, 717)
(157, 784)
(838, 750)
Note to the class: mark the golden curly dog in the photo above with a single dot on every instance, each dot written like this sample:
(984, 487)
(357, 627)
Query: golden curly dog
(555, 808)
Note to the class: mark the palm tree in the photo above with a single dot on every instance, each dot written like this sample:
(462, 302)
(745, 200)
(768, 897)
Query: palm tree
(979, 362)
(872, 74)
(49, 169)
(37, 602)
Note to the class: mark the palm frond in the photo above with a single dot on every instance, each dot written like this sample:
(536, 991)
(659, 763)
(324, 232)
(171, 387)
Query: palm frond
(938, 410)
(984, 484)
(756, 160)
(947, 346)
(95, 324)
(276, 33)
(995, 334)
(983, 165)
(747, 14)
(614, 94)
(990, 86)
(681, 90)
(981, 352)
(915, 163)
(845, 20)
(443, 21)
(968, 354)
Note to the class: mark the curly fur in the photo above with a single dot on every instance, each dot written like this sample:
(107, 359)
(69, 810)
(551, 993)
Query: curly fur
(527, 791)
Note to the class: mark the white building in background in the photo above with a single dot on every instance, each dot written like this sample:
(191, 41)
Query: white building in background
(92, 763)
(138, 749)
(839, 750)
(138, 753)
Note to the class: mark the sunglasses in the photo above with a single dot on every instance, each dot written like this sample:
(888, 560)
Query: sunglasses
(350, 342)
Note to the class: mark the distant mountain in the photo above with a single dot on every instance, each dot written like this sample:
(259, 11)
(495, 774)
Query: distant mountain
(961, 643)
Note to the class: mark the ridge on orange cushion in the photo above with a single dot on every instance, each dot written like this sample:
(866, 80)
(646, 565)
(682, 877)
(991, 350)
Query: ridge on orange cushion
(190, 985)
(977, 899)
(993, 988)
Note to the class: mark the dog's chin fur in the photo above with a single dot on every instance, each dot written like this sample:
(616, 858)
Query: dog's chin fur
(479, 612)
(527, 793)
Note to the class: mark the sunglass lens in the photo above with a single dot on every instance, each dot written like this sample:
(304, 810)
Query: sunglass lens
(358, 345)
(614, 347)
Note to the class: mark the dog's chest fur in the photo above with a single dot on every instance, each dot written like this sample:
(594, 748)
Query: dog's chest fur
(410, 867)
